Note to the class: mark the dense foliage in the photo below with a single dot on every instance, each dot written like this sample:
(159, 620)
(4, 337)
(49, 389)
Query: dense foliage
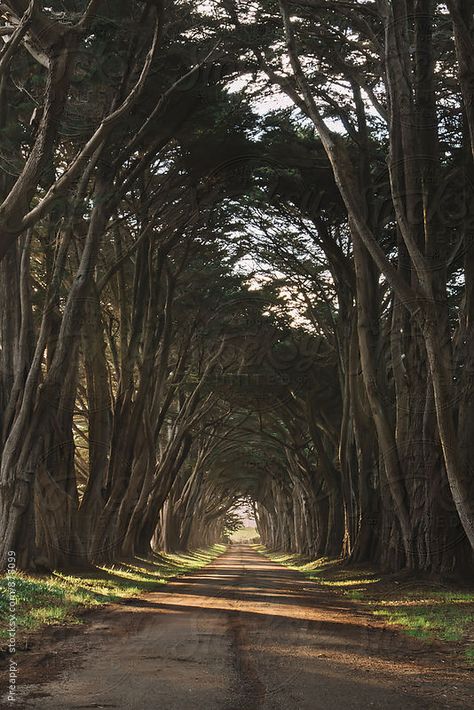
(237, 268)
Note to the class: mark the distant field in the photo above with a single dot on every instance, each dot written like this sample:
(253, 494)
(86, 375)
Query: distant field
(244, 534)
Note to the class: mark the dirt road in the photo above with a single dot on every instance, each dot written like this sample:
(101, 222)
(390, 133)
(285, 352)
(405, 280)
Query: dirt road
(242, 634)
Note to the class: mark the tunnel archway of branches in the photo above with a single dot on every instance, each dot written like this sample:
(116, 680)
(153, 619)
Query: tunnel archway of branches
(212, 302)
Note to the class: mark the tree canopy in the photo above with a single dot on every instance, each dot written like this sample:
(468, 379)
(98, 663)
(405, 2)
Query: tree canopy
(237, 268)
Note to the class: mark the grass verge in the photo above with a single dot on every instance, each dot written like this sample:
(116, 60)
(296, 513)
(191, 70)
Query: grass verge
(422, 609)
(58, 598)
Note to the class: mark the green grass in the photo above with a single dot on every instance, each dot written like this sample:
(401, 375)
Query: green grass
(244, 535)
(58, 598)
(430, 613)
(326, 572)
(422, 610)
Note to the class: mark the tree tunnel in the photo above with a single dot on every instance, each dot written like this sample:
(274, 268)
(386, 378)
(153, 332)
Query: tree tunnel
(233, 266)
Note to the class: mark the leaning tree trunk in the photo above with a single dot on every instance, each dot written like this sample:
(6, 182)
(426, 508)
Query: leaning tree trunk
(24, 447)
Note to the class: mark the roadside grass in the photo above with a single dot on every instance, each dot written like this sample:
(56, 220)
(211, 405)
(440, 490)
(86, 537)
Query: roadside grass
(422, 609)
(58, 598)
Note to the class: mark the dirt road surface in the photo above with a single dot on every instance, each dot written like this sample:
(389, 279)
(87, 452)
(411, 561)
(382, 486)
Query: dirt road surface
(241, 634)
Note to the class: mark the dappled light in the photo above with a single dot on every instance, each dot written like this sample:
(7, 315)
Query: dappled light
(237, 348)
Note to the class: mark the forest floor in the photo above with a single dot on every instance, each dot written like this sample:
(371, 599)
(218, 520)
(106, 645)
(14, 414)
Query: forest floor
(422, 607)
(244, 633)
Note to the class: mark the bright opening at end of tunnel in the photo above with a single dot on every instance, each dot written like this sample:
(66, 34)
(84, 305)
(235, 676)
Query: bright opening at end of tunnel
(245, 526)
